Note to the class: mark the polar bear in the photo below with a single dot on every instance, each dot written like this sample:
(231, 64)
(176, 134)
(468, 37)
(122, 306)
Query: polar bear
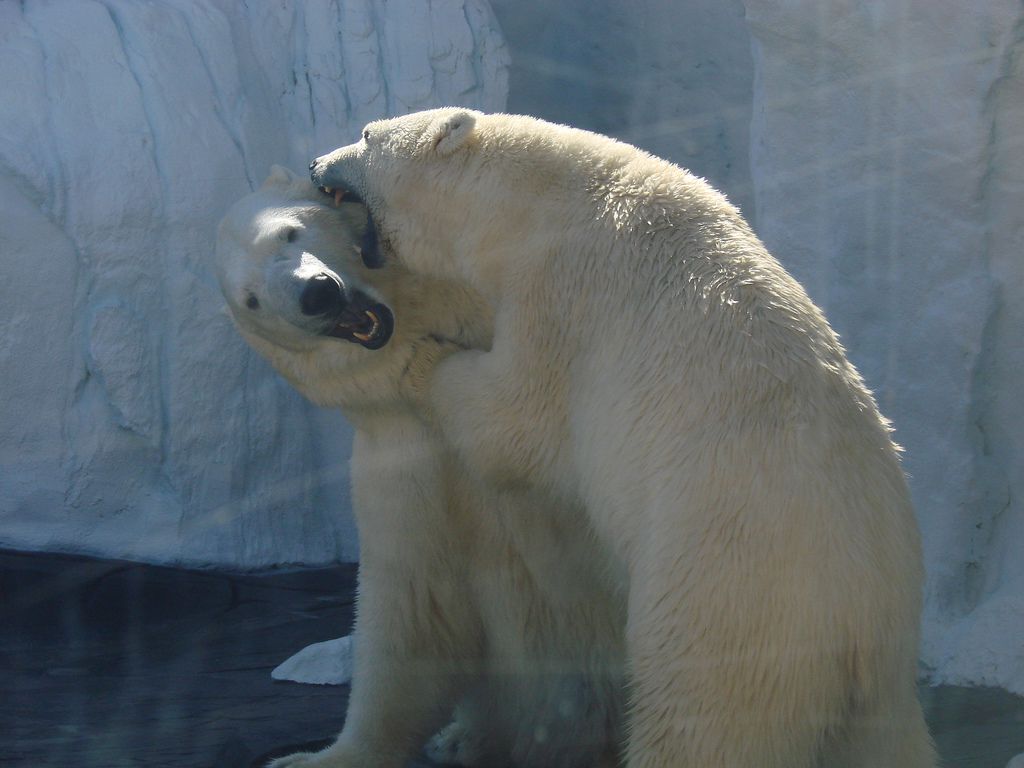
(469, 598)
(654, 364)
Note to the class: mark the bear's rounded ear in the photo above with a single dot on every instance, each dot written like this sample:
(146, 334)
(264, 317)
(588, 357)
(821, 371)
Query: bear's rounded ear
(450, 132)
(279, 177)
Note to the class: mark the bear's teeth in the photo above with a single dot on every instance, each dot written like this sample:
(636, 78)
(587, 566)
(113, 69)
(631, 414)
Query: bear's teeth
(373, 331)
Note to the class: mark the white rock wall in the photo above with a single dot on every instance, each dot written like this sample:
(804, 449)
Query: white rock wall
(674, 78)
(135, 423)
(887, 155)
(878, 146)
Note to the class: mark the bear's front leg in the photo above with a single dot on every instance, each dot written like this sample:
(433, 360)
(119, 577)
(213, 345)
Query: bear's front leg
(405, 682)
(503, 419)
(407, 675)
(418, 636)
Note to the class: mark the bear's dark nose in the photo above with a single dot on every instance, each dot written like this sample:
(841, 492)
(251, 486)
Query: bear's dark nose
(322, 296)
(312, 164)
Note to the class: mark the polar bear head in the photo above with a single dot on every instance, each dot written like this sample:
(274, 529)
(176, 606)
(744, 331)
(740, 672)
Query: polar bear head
(455, 191)
(292, 266)
(282, 260)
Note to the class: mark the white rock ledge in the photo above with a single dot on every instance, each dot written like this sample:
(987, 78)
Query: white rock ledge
(326, 663)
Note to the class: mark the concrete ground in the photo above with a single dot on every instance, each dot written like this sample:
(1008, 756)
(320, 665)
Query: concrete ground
(109, 664)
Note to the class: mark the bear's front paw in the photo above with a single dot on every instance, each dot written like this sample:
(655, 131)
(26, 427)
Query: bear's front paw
(454, 745)
(293, 761)
(342, 754)
(324, 759)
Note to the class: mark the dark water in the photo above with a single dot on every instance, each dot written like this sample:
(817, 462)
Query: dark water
(109, 664)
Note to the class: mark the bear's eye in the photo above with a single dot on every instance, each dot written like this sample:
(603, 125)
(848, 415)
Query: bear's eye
(290, 234)
(252, 302)
(366, 134)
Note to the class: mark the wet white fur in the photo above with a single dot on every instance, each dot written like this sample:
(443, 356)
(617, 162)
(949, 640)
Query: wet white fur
(652, 362)
(468, 597)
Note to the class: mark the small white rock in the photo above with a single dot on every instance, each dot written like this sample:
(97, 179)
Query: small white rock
(326, 663)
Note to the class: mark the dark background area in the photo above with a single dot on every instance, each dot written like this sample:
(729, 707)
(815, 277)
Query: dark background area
(110, 664)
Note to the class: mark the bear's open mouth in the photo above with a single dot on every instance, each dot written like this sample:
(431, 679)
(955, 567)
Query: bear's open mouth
(370, 326)
(337, 194)
(368, 249)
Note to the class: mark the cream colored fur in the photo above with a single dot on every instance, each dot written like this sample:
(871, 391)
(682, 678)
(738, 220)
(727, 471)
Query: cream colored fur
(654, 364)
(468, 597)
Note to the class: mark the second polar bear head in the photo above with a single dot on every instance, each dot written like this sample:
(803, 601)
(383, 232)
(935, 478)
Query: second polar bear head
(271, 264)
(292, 268)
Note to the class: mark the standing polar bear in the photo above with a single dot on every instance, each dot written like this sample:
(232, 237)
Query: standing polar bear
(469, 599)
(654, 364)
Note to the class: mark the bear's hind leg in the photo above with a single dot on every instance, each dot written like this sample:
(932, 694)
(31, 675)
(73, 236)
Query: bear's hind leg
(719, 681)
(886, 737)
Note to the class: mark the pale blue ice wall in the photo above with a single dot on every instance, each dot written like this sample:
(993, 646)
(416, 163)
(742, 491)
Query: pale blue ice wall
(134, 422)
(888, 165)
(878, 147)
(675, 78)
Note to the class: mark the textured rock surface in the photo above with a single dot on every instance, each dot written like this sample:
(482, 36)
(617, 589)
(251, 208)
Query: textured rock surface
(876, 146)
(885, 171)
(888, 174)
(135, 422)
(673, 78)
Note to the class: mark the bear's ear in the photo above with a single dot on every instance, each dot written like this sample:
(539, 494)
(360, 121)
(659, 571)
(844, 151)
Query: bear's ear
(449, 133)
(279, 177)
